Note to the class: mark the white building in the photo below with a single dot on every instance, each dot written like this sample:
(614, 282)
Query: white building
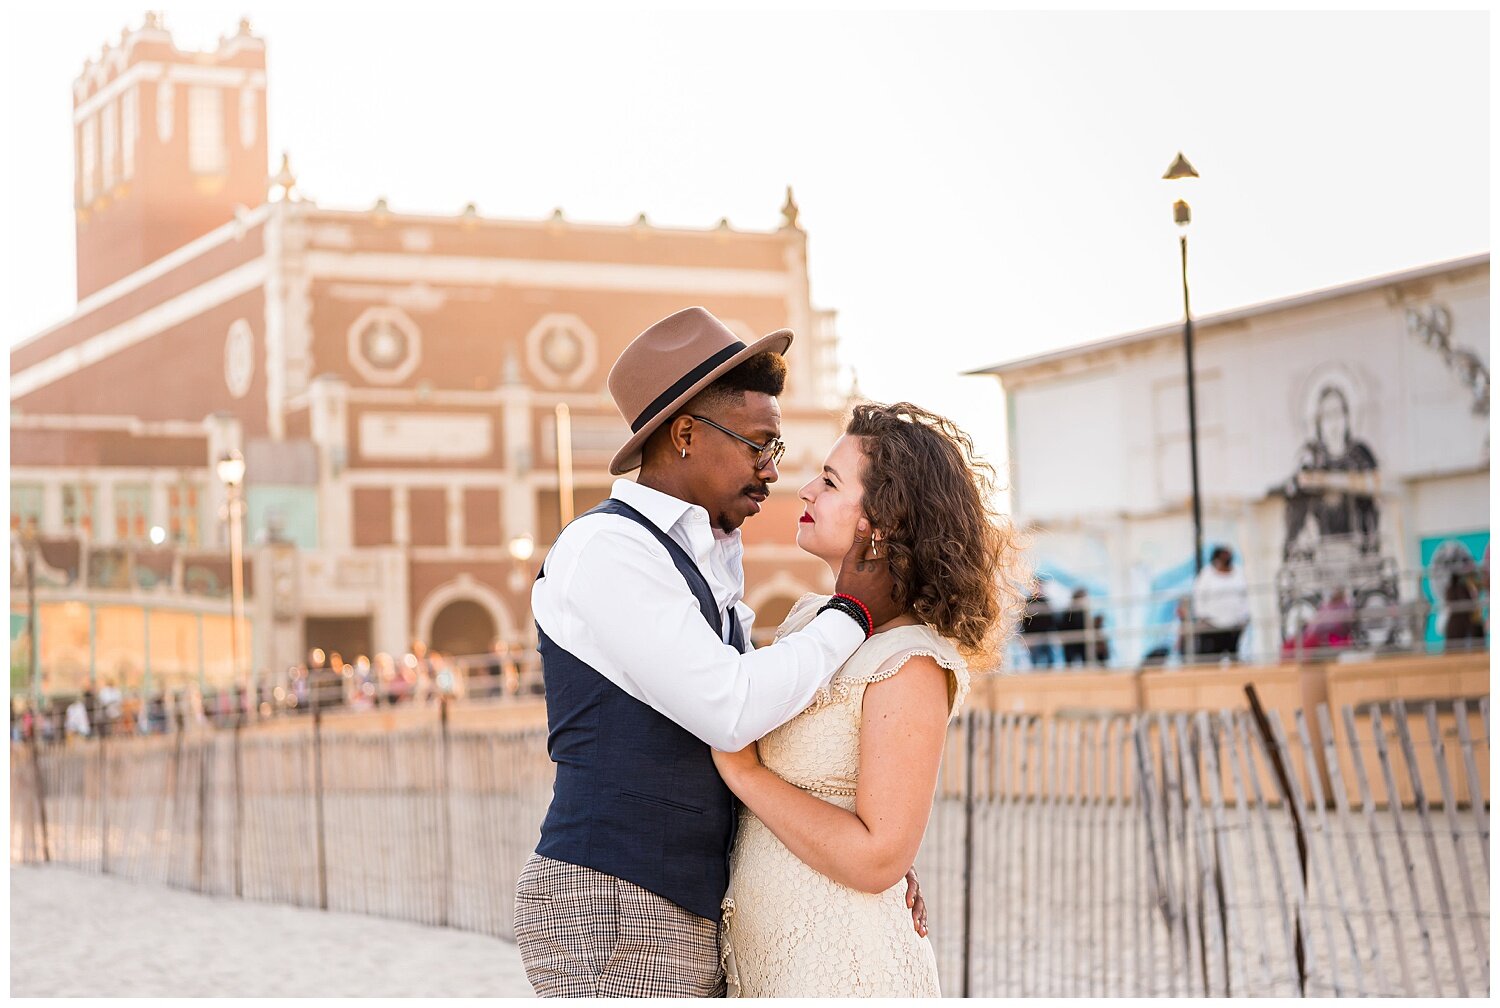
(1343, 442)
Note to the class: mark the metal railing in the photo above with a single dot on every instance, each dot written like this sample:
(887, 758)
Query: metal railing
(1398, 612)
(1203, 853)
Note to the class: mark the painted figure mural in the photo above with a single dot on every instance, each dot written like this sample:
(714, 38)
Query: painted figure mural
(1332, 546)
(1332, 491)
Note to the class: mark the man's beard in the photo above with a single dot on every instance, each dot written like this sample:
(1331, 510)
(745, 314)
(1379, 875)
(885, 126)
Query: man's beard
(725, 523)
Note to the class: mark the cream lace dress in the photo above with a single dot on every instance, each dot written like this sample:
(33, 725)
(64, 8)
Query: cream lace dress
(789, 931)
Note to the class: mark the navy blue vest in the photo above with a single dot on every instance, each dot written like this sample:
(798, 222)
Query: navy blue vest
(636, 795)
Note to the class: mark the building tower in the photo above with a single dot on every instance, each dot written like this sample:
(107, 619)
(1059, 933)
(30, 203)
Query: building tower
(167, 144)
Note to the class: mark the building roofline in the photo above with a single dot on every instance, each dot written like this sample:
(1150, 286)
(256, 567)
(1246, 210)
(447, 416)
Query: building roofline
(232, 230)
(1239, 314)
(536, 223)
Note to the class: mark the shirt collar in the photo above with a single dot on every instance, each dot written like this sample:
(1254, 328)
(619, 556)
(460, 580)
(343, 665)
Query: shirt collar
(665, 512)
(662, 510)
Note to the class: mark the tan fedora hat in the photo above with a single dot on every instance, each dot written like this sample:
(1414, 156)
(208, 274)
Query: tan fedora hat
(668, 364)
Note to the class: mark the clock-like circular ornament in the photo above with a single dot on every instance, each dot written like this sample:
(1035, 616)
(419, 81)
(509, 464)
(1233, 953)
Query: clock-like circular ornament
(561, 350)
(385, 345)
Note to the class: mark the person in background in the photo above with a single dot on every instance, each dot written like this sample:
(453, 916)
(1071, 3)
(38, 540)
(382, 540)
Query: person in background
(111, 707)
(1101, 643)
(76, 720)
(1463, 630)
(1331, 629)
(132, 715)
(447, 677)
(43, 724)
(1221, 602)
(156, 715)
(1037, 625)
(1071, 627)
(1184, 613)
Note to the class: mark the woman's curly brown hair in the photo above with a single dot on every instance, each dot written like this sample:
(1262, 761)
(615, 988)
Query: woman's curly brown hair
(955, 560)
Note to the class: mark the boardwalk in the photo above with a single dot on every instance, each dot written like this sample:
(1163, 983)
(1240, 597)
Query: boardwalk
(80, 934)
(1141, 855)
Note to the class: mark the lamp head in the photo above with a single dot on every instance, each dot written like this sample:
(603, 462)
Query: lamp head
(521, 548)
(1177, 173)
(1180, 169)
(231, 469)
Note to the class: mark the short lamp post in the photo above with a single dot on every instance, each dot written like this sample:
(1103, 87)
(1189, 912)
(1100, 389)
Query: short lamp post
(521, 549)
(29, 542)
(231, 469)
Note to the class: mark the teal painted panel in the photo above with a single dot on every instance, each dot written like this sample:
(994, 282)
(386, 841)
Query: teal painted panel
(1456, 549)
(293, 508)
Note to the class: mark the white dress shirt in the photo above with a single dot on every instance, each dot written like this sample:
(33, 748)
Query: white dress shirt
(610, 596)
(1222, 598)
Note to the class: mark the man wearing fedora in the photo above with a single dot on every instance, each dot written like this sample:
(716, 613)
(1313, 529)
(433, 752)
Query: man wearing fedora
(643, 638)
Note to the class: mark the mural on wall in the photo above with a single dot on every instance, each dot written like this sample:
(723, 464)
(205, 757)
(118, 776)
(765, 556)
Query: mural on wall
(1137, 616)
(1456, 585)
(1331, 554)
(1050, 634)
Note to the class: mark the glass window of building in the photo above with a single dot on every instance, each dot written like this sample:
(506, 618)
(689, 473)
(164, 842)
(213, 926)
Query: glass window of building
(88, 154)
(109, 138)
(132, 512)
(130, 118)
(25, 507)
(206, 154)
(78, 508)
(182, 502)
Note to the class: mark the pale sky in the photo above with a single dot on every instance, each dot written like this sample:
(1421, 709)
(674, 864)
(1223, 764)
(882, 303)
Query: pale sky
(976, 186)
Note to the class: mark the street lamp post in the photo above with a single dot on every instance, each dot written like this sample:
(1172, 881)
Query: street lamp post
(1180, 171)
(29, 544)
(231, 469)
(521, 548)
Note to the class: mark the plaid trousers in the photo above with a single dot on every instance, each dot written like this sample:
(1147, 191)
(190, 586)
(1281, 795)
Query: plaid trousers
(583, 933)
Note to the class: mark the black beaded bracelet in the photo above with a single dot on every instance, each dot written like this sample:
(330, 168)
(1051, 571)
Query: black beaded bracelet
(853, 611)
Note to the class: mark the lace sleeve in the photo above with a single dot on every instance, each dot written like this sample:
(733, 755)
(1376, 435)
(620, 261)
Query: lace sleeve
(848, 686)
(957, 669)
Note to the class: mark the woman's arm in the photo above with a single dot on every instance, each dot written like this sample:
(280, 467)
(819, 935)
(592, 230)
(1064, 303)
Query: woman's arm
(902, 726)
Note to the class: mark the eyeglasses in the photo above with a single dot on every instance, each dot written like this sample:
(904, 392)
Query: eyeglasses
(767, 454)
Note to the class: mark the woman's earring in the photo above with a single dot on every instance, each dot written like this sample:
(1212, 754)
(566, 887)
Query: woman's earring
(684, 453)
(874, 547)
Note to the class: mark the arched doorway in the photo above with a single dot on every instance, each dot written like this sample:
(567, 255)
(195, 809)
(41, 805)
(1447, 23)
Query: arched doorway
(463, 627)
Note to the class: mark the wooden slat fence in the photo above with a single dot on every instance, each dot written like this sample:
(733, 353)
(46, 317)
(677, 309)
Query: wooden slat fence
(1090, 854)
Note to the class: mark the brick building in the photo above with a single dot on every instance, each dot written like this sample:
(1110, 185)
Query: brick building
(392, 380)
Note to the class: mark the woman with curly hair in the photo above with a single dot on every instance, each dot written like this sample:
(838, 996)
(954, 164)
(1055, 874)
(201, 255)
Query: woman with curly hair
(835, 801)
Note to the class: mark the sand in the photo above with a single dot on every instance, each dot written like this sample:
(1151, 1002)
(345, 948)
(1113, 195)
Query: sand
(79, 934)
